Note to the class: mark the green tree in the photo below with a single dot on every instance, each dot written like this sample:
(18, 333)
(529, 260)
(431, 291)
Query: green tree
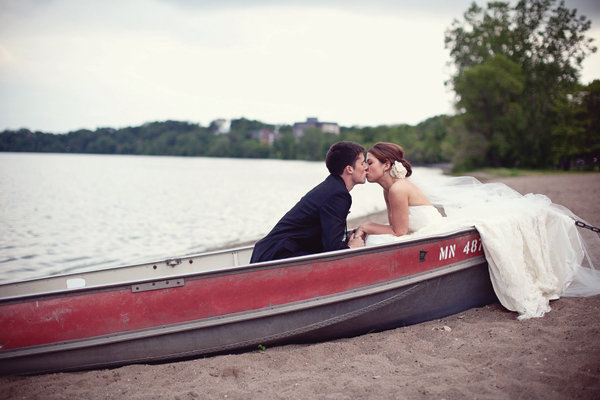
(21, 140)
(489, 94)
(78, 141)
(188, 144)
(219, 147)
(103, 144)
(434, 145)
(49, 143)
(547, 42)
(576, 135)
(310, 145)
(285, 146)
(407, 137)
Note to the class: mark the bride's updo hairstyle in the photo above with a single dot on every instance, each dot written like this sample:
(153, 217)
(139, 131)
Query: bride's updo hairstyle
(384, 151)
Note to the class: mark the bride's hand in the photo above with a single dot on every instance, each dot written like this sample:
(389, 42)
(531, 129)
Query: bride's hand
(360, 232)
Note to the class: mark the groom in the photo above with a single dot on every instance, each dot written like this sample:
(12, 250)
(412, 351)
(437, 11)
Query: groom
(317, 223)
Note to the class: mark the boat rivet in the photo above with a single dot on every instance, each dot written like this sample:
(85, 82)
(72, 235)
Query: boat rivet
(166, 282)
(191, 261)
(154, 267)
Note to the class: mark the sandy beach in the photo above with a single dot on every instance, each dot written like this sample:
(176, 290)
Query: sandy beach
(483, 353)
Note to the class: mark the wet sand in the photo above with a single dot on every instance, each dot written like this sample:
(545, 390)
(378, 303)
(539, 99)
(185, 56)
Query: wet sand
(483, 353)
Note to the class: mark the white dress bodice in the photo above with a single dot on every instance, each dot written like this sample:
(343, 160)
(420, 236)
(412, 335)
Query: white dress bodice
(419, 217)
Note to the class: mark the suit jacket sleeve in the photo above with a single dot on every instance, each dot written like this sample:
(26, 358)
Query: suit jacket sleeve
(333, 221)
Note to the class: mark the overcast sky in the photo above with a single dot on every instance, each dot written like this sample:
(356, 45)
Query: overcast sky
(71, 64)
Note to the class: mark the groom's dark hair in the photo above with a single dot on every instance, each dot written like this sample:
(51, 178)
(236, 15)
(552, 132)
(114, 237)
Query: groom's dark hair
(341, 154)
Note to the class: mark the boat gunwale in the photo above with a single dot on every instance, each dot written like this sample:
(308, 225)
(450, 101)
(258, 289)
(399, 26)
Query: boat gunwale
(235, 269)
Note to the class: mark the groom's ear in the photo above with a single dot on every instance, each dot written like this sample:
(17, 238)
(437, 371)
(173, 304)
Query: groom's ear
(349, 169)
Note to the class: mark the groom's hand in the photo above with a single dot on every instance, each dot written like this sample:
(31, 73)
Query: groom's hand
(356, 240)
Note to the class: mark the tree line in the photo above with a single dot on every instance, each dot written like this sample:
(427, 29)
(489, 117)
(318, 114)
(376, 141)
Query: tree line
(519, 103)
(426, 142)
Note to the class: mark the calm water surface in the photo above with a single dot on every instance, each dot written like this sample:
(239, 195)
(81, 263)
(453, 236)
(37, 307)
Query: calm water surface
(69, 212)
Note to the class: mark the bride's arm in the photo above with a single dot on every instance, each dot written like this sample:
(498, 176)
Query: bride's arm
(387, 205)
(372, 228)
(397, 206)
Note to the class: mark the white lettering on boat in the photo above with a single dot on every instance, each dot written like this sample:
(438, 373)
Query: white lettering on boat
(472, 246)
(447, 252)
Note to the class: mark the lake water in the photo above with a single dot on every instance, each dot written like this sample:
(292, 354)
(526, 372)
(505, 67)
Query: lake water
(71, 212)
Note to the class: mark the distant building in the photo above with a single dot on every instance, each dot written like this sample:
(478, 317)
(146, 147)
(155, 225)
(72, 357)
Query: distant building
(326, 127)
(220, 126)
(266, 135)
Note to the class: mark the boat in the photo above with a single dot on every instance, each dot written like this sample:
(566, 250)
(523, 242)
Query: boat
(216, 302)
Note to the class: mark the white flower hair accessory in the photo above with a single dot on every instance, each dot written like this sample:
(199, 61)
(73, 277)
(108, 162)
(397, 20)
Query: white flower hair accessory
(398, 170)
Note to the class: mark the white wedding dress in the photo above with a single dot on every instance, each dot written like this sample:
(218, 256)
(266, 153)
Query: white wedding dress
(534, 250)
(419, 218)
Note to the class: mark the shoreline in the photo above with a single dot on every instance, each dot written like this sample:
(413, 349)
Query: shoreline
(481, 353)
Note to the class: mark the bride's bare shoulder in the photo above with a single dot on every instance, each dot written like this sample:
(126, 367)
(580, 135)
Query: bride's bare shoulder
(401, 187)
(402, 184)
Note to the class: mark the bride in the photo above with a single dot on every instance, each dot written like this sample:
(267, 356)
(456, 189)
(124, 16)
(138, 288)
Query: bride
(534, 250)
(408, 208)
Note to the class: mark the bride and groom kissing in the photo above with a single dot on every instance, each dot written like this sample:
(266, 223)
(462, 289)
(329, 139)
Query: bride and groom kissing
(317, 223)
(533, 248)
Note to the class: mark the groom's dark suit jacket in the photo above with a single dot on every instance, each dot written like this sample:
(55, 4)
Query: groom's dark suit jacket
(317, 223)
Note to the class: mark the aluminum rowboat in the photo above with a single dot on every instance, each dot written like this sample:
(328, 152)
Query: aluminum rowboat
(216, 302)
